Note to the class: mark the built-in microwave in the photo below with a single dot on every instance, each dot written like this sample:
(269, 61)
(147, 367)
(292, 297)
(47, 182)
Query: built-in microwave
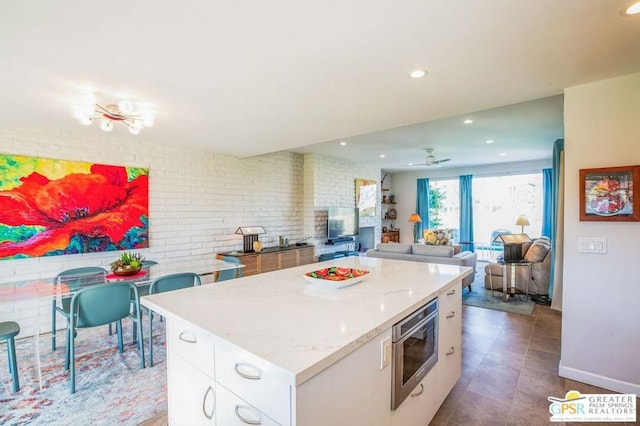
(415, 350)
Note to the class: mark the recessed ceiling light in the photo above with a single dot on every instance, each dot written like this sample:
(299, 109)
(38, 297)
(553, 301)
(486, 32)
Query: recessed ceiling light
(417, 73)
(503, 154)
(381, 155)
(343, 143)
(489, 141)
(634, 9)
(468, 121)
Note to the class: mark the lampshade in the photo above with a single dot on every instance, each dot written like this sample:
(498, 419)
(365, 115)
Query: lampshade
(415, 217)
(250, 230)
(522, 220)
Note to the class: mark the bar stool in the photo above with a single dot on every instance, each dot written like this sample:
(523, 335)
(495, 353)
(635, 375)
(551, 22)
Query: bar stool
(9, 330)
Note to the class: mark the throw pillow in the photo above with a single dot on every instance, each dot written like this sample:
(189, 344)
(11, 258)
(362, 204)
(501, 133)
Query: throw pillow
(439, 237)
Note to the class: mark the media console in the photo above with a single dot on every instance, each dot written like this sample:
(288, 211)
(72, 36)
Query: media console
(337, 255)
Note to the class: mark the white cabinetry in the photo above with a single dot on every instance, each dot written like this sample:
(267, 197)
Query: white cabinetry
(192, 394)
(449, 365)
(211, 381)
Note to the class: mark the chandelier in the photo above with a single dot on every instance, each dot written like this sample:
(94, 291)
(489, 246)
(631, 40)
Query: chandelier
(125, 111)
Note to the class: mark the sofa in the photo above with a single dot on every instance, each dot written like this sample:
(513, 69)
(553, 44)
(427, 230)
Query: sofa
(538, 253)
(427, 253)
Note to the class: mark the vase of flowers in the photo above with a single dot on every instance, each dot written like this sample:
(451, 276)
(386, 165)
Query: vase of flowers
(128, 264)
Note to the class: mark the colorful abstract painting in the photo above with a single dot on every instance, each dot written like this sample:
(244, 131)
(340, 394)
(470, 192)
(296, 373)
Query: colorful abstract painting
(53, 207)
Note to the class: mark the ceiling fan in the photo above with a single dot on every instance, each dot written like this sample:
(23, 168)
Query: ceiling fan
(430, 159)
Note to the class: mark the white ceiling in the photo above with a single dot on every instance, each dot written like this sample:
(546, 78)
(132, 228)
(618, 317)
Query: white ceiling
(249, 77)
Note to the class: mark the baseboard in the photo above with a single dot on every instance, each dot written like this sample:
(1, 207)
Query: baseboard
(598, 380)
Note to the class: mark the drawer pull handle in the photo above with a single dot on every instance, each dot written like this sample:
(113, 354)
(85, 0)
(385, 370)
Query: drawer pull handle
(451, 351)
(244, 419)
(185, 336)
(451, 315)
(204, 404)
(420, 392)
(238, 367)
(452, 292)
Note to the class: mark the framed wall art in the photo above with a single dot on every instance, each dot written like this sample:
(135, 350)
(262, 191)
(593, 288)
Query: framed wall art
(366, 196)
(610, 194)
(52, 207)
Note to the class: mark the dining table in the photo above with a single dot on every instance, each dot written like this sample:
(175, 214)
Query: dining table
(18, 296)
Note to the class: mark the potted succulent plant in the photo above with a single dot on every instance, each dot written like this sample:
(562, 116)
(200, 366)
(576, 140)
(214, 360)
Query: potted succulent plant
(128, 264)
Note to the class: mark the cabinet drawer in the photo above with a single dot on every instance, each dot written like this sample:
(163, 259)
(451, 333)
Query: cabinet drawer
(253, 380)
(192, 344)
(450, 299)
(233, 411)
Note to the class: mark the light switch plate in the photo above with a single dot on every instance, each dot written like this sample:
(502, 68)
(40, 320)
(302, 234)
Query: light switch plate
(385, 352)
(592, 245)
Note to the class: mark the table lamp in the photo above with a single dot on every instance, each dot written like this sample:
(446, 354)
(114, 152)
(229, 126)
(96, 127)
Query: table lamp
(522, 221)
(415, 219)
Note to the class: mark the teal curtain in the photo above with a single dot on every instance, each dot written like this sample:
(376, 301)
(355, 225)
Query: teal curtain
(558, 148)
(422, 207)
(466, 208)
(547, 202)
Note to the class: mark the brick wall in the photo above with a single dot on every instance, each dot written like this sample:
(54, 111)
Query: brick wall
(197, 199)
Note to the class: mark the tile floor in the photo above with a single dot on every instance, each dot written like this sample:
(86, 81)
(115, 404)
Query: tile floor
(509, 368)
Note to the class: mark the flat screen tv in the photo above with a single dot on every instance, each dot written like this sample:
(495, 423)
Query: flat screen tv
(343, 222)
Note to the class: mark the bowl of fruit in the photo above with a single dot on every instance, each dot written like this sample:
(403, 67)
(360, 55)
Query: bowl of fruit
(335, 276)
(128, 264)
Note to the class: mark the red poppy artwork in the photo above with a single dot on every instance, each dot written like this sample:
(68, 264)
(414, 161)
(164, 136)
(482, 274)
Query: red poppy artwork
(53, 207)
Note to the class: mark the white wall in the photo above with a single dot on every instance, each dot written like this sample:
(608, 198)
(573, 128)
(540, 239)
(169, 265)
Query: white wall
(601, 298)
(405, 186)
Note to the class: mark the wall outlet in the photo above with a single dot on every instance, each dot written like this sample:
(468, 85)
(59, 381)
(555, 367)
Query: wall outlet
(385, 352)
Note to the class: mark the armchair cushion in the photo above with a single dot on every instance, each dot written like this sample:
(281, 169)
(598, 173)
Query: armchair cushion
(537, 252)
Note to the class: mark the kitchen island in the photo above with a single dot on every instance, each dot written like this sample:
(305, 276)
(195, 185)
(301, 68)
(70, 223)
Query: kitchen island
(275, 349)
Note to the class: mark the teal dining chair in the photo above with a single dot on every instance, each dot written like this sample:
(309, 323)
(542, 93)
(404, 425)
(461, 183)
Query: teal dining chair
(88, 308)
(9, 330)
(75, 279)
(168, 283)
(229, 274)
(143, 290)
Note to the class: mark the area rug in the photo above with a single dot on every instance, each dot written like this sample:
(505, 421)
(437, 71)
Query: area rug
(110, 387)
(481, 297)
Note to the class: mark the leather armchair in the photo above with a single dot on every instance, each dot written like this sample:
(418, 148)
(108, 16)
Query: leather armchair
(538, 253)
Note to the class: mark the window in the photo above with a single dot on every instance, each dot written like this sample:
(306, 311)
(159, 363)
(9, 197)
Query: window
(444, 204)
(499, 200)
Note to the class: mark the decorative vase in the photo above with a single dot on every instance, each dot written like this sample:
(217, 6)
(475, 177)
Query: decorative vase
(257, 246)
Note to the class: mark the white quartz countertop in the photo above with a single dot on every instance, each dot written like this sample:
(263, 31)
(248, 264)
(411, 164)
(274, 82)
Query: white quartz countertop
(303, 328)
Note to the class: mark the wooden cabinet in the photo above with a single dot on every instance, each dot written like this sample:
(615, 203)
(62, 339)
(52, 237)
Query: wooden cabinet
(273, 259)
(391, 236)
